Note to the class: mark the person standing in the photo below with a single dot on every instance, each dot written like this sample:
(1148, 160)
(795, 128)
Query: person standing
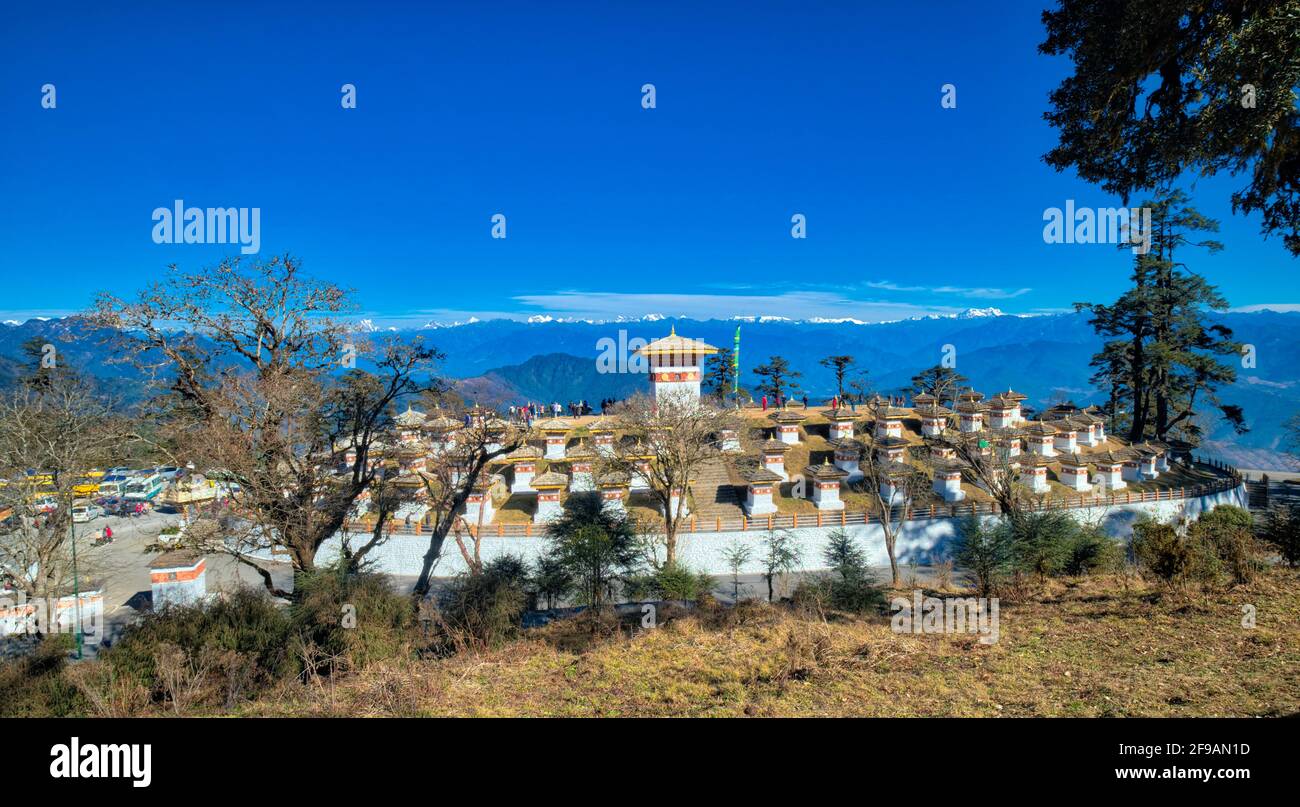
(764, 403)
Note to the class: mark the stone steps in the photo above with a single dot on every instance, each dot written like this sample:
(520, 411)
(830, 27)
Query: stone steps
(715, 494)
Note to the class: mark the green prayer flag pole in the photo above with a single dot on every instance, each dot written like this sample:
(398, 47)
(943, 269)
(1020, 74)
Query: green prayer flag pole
(735, 365)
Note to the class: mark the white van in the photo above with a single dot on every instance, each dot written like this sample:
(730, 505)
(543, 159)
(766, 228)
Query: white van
(85, 511)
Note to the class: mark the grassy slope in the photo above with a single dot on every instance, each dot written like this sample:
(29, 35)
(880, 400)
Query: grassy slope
(1086, 648)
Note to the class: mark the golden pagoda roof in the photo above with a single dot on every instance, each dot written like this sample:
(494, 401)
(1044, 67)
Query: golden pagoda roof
(758, 475)
(524, 452)
(614, 479)
(674, 345)
(441, 423)
(933, 411)
(788, 416)
(841, 414)
(825, 470)
(410, 418)
(1109, 458)
(579, 451)
(550, 479)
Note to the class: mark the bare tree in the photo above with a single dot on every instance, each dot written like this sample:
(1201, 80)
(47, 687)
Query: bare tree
(989, 461)
(245, 358)
(450, 476)
(52, 434)
(667, 442)
(891, 487)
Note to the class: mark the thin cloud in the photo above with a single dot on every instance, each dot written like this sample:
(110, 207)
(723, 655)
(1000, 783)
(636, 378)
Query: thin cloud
(795, 305)
(978, 292)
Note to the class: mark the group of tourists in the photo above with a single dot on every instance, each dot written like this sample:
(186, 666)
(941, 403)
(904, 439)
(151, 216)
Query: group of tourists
(527, 413)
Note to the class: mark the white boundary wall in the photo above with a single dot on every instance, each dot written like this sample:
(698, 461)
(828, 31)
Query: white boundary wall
(920, 541)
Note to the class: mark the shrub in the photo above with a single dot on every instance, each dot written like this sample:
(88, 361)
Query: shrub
(670, 582)
(348, 620)
(1229, 532)
(1091, 550)
(1281, 531)
(238, 642)
(551, 582)
(849, 586)
(1229, 515)
(855, 595)
(985, 551)
(484, 609)
(1173, 558)
(35, 685)
(596, 546)
(843, 555)
(1041, 541)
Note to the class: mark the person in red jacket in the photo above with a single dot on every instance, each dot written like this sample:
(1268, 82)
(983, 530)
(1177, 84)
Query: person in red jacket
(764, 403)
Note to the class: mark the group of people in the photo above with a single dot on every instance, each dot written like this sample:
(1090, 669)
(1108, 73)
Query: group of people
(529, 412)
(779, 402)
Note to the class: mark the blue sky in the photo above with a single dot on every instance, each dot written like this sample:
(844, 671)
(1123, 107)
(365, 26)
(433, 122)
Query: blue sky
(534, 111)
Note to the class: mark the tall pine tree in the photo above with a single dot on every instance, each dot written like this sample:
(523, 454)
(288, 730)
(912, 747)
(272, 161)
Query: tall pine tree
(1159, 362)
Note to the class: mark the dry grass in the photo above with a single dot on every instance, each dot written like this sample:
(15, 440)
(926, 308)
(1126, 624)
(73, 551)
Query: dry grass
(1085, 647)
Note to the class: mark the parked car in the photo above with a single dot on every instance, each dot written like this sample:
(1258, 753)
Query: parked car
(86, 511)
(114, 506)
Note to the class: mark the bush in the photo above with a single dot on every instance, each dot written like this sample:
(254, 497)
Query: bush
(848, 587)
(671, 582)
(348, 620)
(1041, 541)
(985, 551)
(1090, 551)
(1229, 515)
(1174, 558)
(1230, 532)
(35, 684)
(485, 609)
(854, 595)
(1281, 531)
(220, 650)
(551, 582)
(596, 546)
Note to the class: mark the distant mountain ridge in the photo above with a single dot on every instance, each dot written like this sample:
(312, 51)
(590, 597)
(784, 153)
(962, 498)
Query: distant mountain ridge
(1044, 356)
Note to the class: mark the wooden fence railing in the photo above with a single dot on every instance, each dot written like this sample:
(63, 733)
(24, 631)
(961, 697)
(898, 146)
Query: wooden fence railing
(844, 518)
